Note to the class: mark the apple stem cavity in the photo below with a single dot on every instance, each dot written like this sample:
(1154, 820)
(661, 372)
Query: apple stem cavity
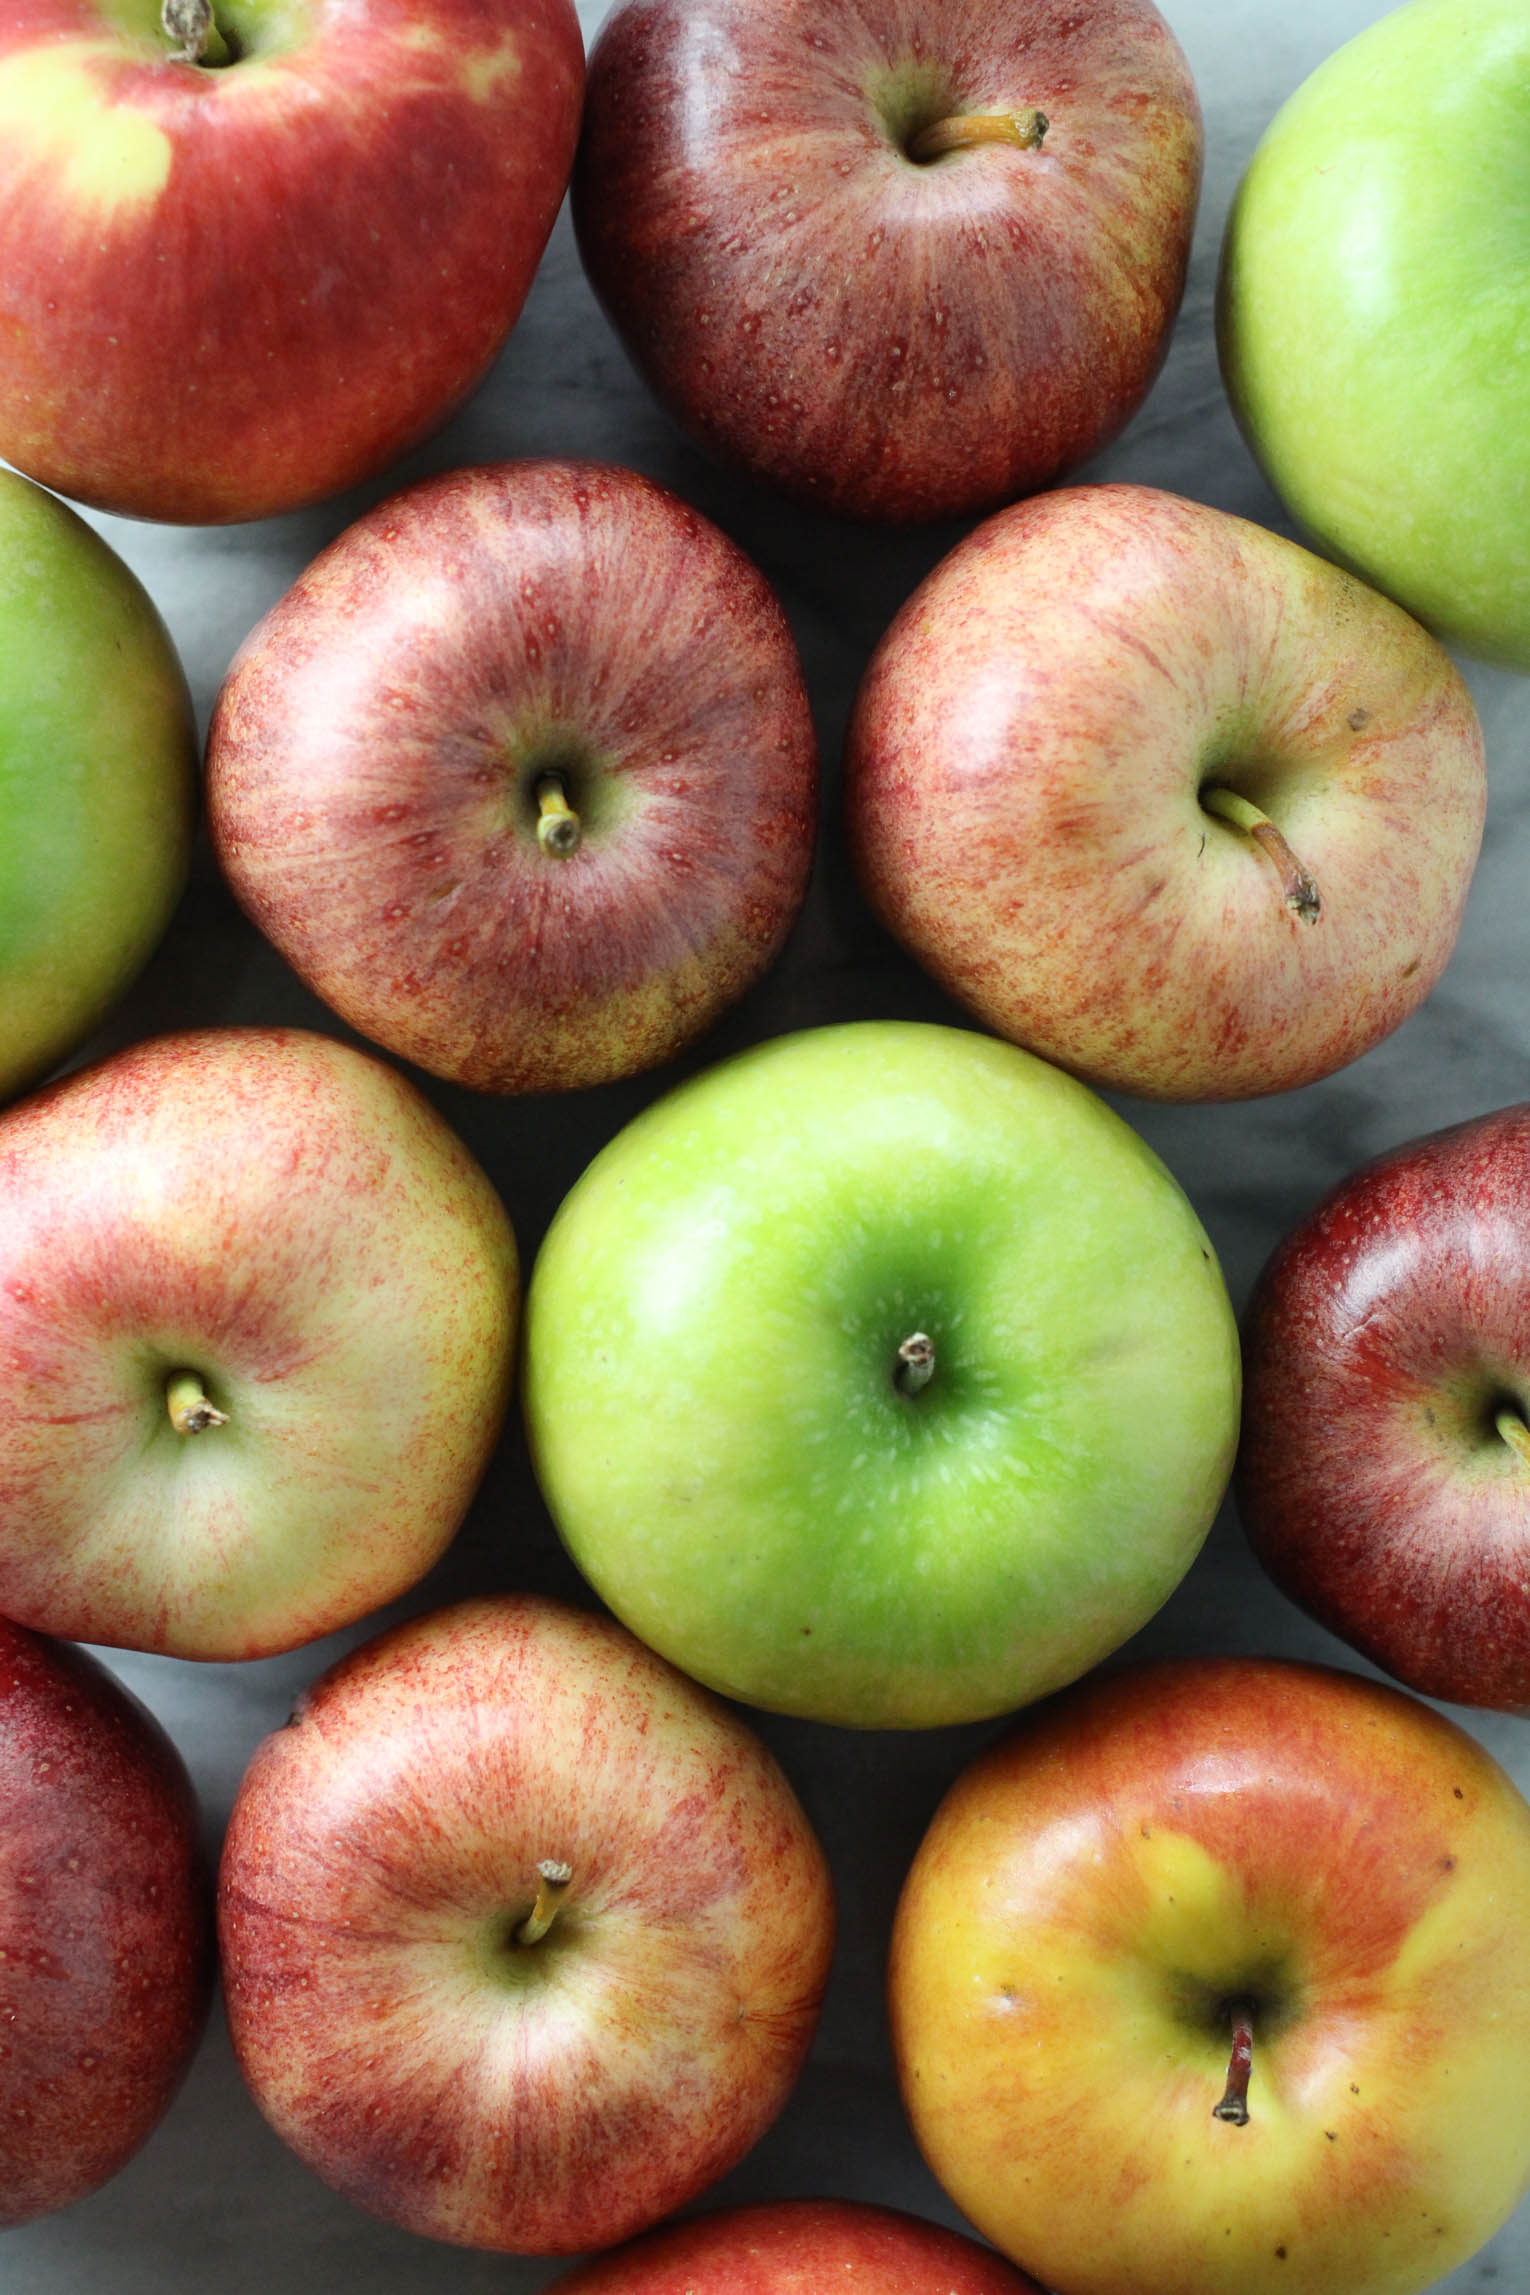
(190, 1411)
(1512, 1427)
(915, 1365)
(1234, 2104)
(1297, 885)
(193, 27)
(552, 1886)
(558, 829)
(964, 131)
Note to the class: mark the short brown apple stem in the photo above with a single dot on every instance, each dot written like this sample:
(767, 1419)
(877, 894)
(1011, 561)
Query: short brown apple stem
(1234, 2104)
(964, 131)
(193, 27)
(915, 1364)
(1297, 885)
(558, 829)
(186, 1400)
(552, 1887)
(1514, 1431)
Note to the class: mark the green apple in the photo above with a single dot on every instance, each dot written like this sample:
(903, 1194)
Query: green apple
(97, 779)
(881, 1375)
(1374, 313)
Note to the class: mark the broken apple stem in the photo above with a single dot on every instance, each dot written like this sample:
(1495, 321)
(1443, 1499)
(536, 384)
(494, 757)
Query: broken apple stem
(1296, 884)
(552, 1887)
(193, 27)
(966, 130)
(186, 1400)
(558, 829)
(1514, 1431)
(915, 1365)
(1234, 2104)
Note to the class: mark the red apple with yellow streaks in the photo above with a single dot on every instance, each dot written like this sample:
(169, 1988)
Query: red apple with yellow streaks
(792, 2246)
(523, 1934)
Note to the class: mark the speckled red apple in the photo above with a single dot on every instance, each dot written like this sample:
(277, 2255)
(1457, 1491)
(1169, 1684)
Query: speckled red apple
(1384, 1470)
(521, 776)
(904, 258)
(523, 1934)
(257, 1308)
(1164, 797)
(792, 2246)
(105, 1925)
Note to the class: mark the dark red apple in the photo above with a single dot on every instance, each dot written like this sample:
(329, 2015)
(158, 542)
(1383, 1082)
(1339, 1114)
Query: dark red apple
(793, 2246)
(1384, 1473)
(904, 258)
(520, 775)
(246, 261)
(105, 1925)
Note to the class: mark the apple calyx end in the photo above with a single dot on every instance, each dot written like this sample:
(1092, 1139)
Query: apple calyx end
(187, 1403)
(553, 1878)
(914, 1366)
(964, 131)
(1297, 884)
(558, 826)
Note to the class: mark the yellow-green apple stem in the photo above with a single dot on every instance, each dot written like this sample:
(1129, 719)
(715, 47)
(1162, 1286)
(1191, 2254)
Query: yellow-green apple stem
(964, 131)
(1514, 1430)
(1234, 2103)
(552, 1886)
(557, 822)
(915, 1366)
(186, 1400)
(1296, 883)
(193, 27)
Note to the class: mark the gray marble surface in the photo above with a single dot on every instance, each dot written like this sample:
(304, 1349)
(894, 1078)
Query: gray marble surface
(214, 2201)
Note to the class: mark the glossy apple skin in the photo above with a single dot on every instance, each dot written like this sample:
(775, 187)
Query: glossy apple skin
(787, 2246)
(1374, 316)
(1096, 1888)
(383, 1849)
(374, 755)
(879, 338)
(97, 779)
(106, 1946)
(1022, 793)
(291, 1220)
(227, 292)
(1382, 1339)
(712, 1328)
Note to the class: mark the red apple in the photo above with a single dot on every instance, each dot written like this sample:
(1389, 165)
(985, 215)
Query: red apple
(789, 2246)
(236, 284)
(257, 1306)
(523, 1933)
(903, 263)
(520, 775)
(1384, 1470)
(1213, 1976)
(105, 1926)
(1164, 797)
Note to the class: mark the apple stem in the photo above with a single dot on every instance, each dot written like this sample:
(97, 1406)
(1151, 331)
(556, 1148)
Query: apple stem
(552, 1886)
(915, 1366)
(190, 1411)
(193, 27)
(1514, 1431)
(1299, 888)
(558, 829)
(966, 130)
(1234, 2104)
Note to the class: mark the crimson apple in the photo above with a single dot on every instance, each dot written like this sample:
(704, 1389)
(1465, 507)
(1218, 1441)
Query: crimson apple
(246, 262)
(1384, 1467)
(1213, 1976)
(904, 264)
(1165, 797)
(257, 1307)
(520, 775)
(787, 2246)
(105, 1925)
(523, 1933)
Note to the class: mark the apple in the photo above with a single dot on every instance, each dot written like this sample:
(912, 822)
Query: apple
(880, 1375)
(97, 778)
(1374, 314)
(904, 266)
(1384, 1472)
(785, 2246)
(248, 260)
(1163, 796)
(520, 775)
(257, 1305)
(1212, 1975)
(105, 1926)
(523, 1935)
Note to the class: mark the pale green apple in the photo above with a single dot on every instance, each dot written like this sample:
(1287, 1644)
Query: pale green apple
(1374, 313)
(97, 779)
(728, 1420)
